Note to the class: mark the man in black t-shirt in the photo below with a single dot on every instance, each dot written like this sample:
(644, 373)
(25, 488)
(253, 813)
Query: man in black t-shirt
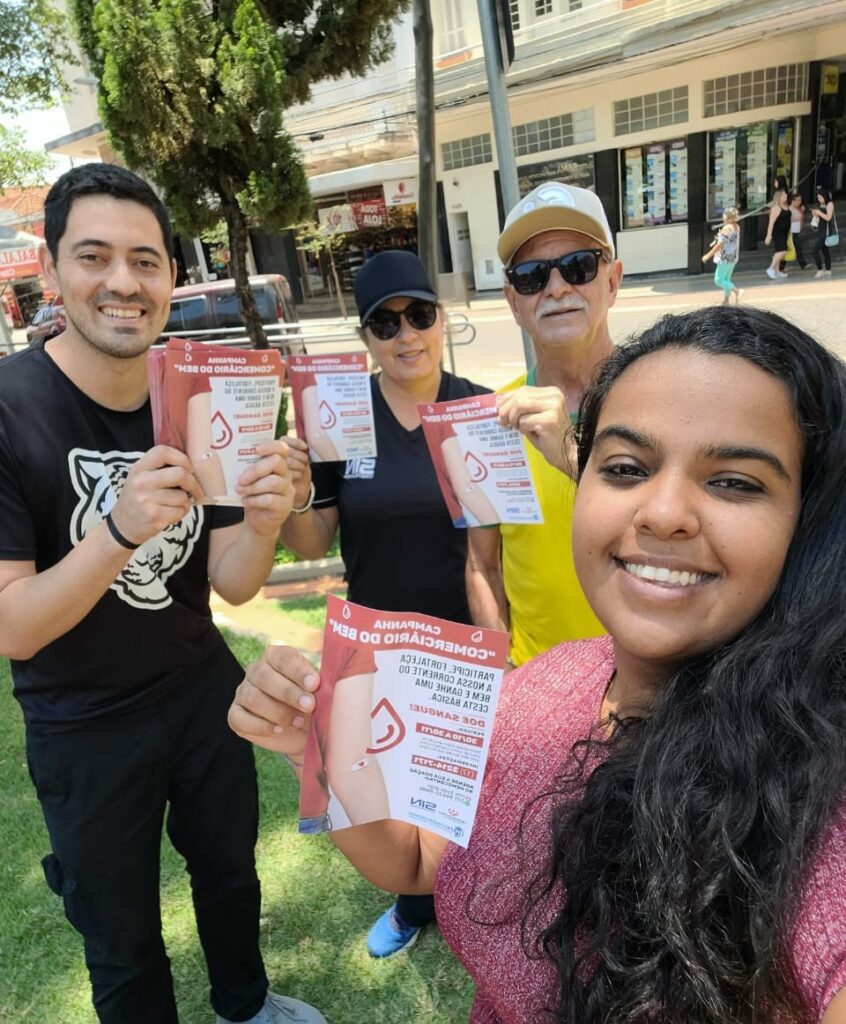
(106, 558)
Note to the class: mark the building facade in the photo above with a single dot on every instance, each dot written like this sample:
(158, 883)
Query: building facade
(670, 110)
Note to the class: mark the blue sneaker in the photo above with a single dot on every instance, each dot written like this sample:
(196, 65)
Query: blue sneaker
(390, 935)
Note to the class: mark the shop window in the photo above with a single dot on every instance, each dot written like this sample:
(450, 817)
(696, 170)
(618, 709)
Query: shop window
(744, 162)
(554, 132)
(574, 170)
(475, 149)
(764, 87)
(655, 184)
(654, 110)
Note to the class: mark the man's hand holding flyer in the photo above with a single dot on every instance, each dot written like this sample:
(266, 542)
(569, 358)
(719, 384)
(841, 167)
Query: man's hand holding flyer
(481, 466)
(215, 404)
(403, 721)
(333, 406)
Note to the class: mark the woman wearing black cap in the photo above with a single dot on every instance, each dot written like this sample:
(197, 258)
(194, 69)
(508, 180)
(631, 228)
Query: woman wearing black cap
(400, 549)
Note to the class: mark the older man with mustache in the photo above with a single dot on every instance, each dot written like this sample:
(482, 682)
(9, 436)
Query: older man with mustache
(561, 280)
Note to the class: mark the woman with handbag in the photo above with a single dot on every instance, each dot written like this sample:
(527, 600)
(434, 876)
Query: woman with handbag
(827, 236)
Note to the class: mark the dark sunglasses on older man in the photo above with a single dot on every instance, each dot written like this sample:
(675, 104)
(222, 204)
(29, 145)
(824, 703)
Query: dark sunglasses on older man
(385, 323)
(531, 276)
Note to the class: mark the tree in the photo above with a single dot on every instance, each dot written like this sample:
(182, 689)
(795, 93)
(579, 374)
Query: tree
(192, 93)
(20, 166)
(32, 48)
(318, 238)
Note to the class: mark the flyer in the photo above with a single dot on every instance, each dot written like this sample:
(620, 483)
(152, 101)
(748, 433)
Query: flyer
(403, 722)
(215, 404)
(333, 405)
(481, 466)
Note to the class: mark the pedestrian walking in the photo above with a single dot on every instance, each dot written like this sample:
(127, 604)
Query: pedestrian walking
(826, 225)
(797, 223)
(725, 253)
(778, 228)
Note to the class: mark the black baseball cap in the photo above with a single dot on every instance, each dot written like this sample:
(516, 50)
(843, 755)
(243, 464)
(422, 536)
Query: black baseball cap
(387, 275)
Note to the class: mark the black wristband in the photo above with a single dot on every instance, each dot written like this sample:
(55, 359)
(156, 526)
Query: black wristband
(118, 536)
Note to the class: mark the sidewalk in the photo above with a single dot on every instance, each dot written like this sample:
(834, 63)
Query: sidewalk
(261, 616)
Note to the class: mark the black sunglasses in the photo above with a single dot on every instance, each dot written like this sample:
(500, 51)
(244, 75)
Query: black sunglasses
(385, 323)
(531, 276)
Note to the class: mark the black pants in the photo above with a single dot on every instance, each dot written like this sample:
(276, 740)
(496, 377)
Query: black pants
(104, 789)
(821, 250)
(416, 910)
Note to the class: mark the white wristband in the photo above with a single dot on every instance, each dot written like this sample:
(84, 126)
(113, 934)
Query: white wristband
(308, 504)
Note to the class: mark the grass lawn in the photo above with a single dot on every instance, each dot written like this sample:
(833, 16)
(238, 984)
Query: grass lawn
(316, 912)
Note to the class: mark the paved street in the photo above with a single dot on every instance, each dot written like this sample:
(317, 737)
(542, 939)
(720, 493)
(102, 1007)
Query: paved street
(819, 307)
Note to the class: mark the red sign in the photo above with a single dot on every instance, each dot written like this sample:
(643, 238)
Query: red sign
(18, 263)
(372, 214)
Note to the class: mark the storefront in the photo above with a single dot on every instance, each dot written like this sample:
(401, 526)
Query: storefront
(21, 287)
(369, 219)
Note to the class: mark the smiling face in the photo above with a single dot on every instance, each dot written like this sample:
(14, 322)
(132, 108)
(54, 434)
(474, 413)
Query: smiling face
(687, 505)
(113, 274)
(412, 357)
(561, 314)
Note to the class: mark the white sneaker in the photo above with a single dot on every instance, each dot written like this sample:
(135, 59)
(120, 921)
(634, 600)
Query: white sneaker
(819, 274)
(772, 274)
(283, 1010)
(782, 274)
(828, 273)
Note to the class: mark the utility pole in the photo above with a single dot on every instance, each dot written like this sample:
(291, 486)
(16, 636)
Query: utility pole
(501, 116)
(427, 223)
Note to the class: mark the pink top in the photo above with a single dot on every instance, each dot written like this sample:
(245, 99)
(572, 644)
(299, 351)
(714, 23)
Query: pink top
(545, 707)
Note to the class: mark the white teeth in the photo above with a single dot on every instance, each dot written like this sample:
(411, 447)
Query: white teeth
(121, 314)
(675, 577)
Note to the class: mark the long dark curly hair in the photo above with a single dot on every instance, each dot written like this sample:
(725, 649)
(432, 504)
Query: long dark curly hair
(682, 853)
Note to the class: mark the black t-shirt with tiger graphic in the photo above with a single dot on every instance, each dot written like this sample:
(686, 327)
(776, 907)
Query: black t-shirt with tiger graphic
(63, 461)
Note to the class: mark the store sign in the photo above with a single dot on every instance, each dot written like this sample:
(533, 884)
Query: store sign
(370, 215)
(18, 263)
(355, 216)
(400, 191)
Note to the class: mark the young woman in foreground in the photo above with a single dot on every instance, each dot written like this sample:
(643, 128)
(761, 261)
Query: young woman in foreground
(662, 832)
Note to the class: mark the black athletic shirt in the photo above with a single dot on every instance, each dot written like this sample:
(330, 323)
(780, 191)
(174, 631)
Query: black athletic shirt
(401, 551)
(63, 460)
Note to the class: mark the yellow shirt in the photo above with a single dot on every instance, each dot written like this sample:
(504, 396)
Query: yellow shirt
(546, 602)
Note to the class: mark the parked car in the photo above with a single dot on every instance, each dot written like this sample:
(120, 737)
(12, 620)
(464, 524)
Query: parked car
(203, 309)
(48, 321)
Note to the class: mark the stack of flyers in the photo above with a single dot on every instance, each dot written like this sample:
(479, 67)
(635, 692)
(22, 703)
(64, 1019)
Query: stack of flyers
(333, 406)
(404, 717)
(215, 404)
(481, 466)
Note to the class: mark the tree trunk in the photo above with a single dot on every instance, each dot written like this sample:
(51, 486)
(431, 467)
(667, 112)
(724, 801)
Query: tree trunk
(236, 224)
(427, 225)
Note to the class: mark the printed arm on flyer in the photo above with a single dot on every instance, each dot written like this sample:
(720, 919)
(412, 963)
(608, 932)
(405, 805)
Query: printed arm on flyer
(38, 607)
(483, 575)
(241, 557)
(467, 494)
(272, 708)
(541, 415)
(309, 533)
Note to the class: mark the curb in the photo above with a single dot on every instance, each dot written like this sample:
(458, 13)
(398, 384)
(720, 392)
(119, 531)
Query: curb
(296, 571)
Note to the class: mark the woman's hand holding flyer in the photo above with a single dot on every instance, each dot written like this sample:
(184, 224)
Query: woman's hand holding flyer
(402, 723)
(266, 489)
